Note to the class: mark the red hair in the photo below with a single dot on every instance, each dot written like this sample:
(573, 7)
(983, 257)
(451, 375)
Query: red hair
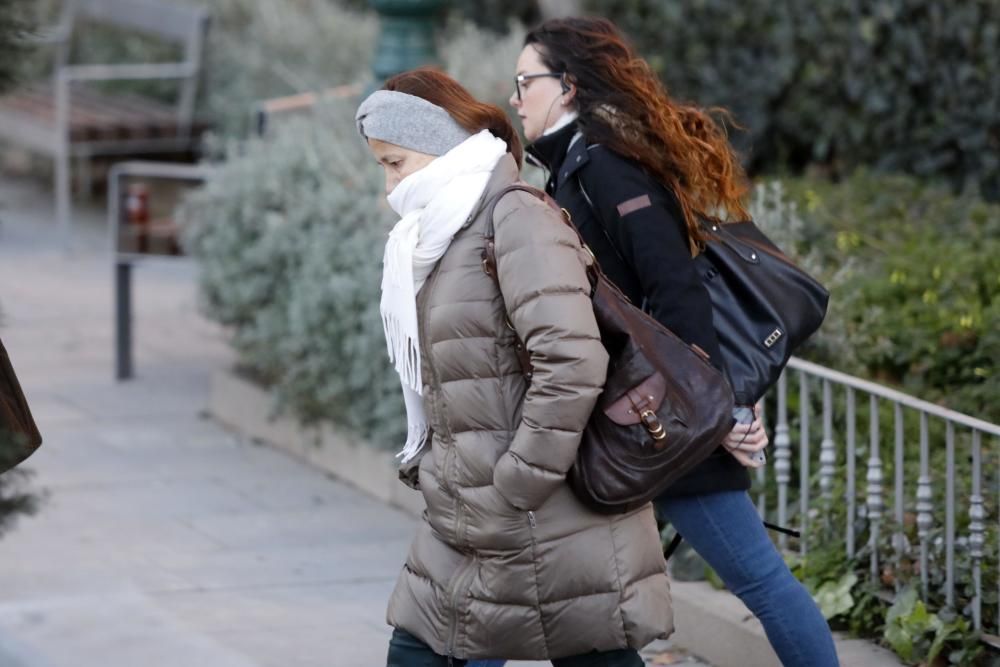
(624, 106)
(438, 88)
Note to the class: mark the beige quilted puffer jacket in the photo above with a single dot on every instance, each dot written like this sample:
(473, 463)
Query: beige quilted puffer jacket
(507, 563)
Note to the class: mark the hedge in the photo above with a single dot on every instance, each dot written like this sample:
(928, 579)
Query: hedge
(906, 85)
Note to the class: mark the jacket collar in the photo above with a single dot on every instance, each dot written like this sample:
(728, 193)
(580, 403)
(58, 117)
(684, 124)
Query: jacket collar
(563, 152)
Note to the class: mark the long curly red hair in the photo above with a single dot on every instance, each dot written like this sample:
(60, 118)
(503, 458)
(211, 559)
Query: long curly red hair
(623, 105)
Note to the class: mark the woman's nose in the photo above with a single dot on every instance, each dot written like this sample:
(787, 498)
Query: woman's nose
(514, 101)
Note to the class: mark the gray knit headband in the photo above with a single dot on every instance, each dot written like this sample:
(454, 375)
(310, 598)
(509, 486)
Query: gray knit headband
(409, 121)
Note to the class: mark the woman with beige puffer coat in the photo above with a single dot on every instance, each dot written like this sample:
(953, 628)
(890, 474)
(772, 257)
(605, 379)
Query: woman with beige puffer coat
(506, 563)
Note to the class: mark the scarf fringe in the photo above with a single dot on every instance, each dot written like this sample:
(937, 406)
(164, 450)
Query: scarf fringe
(416, 438)
(404, 352)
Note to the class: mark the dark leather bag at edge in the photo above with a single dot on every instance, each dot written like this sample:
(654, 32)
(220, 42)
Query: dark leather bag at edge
(763, 305)
(664, 408)
(19, 437)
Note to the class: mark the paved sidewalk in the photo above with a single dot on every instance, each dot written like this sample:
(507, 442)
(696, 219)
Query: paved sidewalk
(164, 540)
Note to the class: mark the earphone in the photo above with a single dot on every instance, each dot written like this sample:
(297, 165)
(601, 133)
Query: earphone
(562, 82)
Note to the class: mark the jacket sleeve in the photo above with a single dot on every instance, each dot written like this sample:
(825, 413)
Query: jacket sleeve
(546, 292)
(647, 227)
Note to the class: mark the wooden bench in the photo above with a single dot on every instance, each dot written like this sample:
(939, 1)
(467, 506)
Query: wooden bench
(67, 119)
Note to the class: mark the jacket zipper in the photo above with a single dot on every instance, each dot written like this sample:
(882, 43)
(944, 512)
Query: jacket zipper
(457, 583)
(449, 461)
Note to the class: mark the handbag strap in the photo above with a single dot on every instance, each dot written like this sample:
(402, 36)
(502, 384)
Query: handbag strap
(594, 271)
(490, 266)
(678, 538)
(489, 256)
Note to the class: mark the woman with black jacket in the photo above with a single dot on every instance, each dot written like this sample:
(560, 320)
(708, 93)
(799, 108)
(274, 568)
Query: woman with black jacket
(636, 171)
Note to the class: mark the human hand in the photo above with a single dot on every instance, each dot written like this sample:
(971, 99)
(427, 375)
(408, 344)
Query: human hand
(745, 441)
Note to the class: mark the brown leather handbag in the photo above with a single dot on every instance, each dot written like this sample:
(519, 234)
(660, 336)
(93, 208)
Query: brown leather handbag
(19, 436)
(664, 408)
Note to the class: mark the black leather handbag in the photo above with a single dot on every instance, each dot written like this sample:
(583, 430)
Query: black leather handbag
(19, 437)
(664, 408)
(763, 305)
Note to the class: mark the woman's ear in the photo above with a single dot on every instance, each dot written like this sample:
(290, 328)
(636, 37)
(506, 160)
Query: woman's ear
(568, 89)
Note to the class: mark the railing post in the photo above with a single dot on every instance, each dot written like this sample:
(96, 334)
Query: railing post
(874, 488)
(851, 471)
(977, 530)
(925, 503)
(898, 537)
(803, 459)
(949, 515)
(782, 456)
(828, 453)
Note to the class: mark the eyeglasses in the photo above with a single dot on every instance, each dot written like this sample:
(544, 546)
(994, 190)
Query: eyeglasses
(522, 78)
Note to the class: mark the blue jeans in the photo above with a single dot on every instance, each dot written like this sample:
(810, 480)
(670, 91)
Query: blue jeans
(725, 529)
(405, 650)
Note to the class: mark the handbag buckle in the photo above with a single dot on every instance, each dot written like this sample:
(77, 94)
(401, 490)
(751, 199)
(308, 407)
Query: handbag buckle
(652, 424)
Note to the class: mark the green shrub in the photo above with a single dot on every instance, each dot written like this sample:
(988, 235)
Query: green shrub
(899, 84)
(488, 79)
(916, 298)
(915, 287)
(496, 15)
(260, 49)
(289, 235)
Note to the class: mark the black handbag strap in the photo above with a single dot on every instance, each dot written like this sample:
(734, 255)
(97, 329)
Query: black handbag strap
(672, 547)
(678, 538)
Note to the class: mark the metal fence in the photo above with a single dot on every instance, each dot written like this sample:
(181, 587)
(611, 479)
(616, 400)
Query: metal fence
(837, 401)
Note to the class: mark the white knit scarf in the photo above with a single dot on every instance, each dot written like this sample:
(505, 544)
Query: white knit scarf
(434, 203)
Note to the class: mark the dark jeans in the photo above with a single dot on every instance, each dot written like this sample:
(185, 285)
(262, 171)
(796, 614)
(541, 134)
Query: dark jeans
(405, 650)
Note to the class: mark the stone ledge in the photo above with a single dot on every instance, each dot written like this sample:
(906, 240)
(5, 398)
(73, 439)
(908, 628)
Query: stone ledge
(710, 623)
(245, 407)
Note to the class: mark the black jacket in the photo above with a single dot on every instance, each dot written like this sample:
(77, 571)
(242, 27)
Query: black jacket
(634, 226)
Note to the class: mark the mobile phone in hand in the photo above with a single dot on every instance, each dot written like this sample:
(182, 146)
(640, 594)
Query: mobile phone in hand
(744, 414)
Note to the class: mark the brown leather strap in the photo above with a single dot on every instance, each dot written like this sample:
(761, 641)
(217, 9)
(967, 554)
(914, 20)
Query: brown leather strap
(511, 188)
(490, 257)
(490, 266)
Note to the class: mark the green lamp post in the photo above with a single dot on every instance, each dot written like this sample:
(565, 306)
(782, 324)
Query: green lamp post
(406, 38)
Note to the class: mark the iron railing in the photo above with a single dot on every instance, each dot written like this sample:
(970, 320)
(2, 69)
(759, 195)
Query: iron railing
(838, 401)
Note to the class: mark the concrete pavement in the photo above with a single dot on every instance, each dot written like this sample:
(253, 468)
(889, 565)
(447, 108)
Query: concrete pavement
(163, 539)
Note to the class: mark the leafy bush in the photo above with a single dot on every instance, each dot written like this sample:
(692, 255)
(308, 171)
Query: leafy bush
(915, 285)
(496, 15)
(260, 49)
(289, 234)
(899, 84)
(488, 79)
(913, 275)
